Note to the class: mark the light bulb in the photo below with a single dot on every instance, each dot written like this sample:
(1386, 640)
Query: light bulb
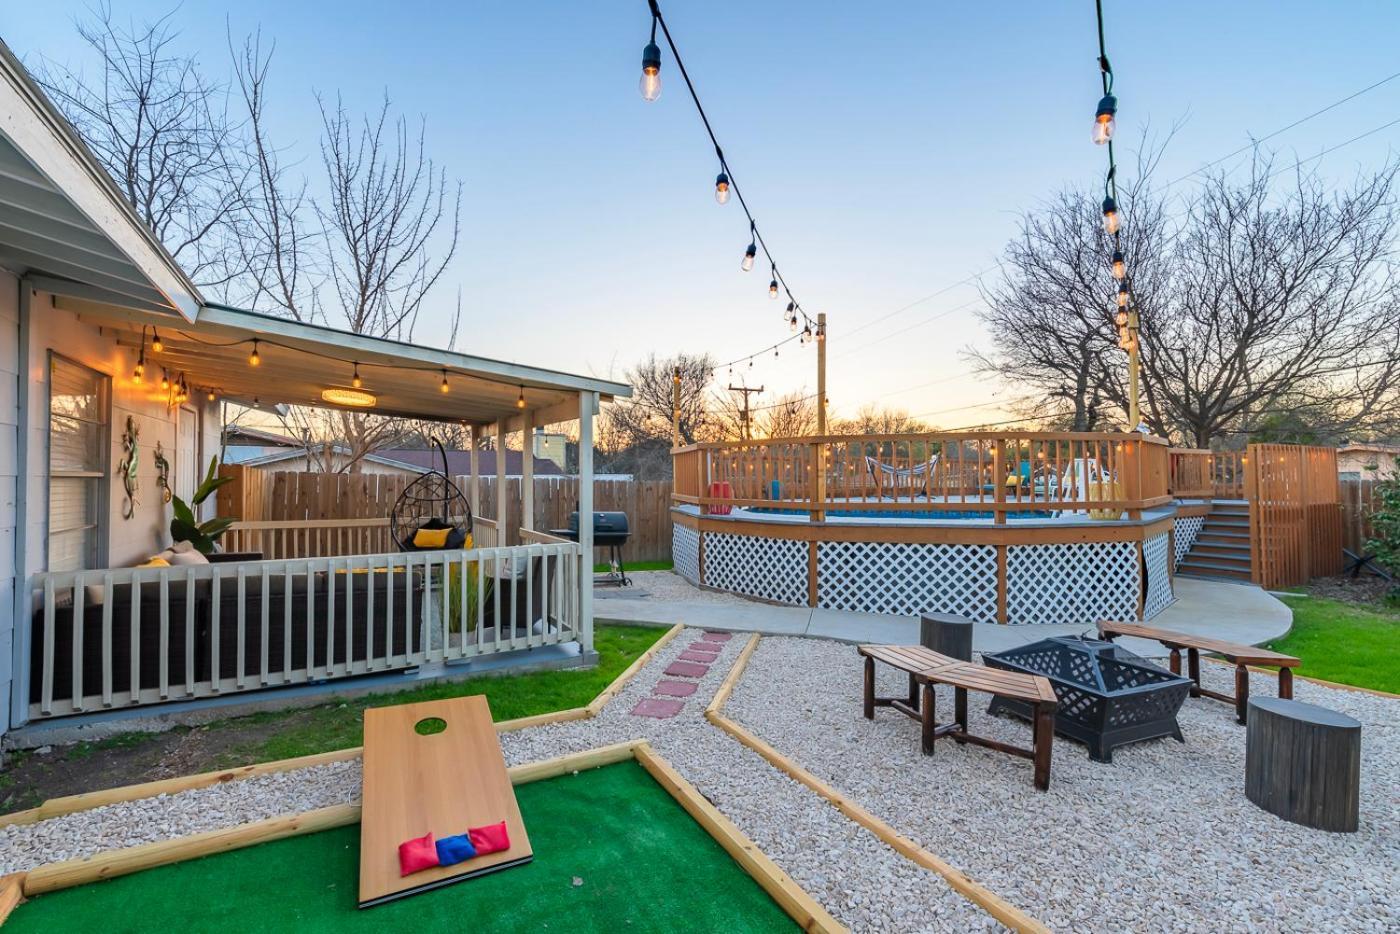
(1110, 216)
(253, 358)
(443, 387)
(1122, 319)
(773, 288)
(355, 380)
(722, 188)
(156, 343)
(164, 381)
(749, 255)
(792, 324)
(520, 401)
(140, 370)
(1123, 295)
(1120, 267)
(1104, 123)
(806, 334)
(650, 83)
(211, 397)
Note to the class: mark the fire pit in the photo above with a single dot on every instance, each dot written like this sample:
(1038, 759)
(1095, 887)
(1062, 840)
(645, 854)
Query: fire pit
(1107, 695)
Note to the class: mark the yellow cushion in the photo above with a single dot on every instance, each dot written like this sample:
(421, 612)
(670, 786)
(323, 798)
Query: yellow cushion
(430, 538)
(469, 542)
(154, 563)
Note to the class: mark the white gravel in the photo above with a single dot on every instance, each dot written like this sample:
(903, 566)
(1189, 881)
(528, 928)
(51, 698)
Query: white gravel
(666, 587)
(1163, 839)
(859, 880)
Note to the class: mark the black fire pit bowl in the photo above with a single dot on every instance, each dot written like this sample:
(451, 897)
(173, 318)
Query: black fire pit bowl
(1107, 695)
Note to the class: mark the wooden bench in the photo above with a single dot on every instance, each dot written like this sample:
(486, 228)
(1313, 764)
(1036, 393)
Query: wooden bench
(1241, 656)
(927, 668)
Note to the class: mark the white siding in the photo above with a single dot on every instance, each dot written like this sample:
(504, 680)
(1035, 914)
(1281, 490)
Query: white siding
(9, 472)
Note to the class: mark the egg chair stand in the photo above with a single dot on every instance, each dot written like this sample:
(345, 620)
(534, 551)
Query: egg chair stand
(431, 503)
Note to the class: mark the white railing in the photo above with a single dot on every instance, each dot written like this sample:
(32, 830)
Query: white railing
(313, 538)
(124, 637)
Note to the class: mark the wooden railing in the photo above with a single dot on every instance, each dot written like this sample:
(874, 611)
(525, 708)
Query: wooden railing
(277, 539)
(1202, 474)
(124, 637)
(971, 472)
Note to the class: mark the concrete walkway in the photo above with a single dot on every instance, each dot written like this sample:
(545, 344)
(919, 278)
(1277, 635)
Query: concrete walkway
(1236, 612)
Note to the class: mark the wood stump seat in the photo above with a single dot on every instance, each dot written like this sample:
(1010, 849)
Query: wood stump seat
(1303, 763)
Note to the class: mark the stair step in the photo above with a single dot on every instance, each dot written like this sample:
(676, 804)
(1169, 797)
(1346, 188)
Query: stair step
(1213, 569)
(1214, 523)
(1229, 510)
(1226, 577)
(1220, 551)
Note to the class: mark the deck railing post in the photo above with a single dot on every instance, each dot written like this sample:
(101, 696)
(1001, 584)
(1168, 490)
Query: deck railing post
(816, 491)
(999, 479)
(587, 401)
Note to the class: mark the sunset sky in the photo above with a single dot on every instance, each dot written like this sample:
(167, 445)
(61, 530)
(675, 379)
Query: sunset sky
(886, 151)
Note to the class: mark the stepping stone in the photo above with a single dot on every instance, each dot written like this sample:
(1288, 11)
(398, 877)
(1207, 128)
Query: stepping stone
(675, 688)
(658, 708)
(717, 636)
(703, 646)
(687, 670)
(703, 658)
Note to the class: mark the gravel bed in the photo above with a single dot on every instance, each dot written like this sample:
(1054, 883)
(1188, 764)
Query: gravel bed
(863, 883)
(1162, 839)
(666, 587)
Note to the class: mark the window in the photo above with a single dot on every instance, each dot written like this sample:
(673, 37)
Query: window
(78, 445)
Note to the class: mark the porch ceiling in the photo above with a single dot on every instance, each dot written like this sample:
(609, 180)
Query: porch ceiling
(300, 360)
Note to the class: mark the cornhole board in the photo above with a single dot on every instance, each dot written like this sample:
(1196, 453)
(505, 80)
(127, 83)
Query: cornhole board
(442, 783)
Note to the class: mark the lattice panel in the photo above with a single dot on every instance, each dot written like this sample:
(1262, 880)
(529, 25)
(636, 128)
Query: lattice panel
(1159, 584)
(1186, 529)
(685, 552)
(771, 568)
(885, 577)
(1079, 584)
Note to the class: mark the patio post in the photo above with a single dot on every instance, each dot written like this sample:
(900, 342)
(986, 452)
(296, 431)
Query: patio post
(527, 469)
(502, 519)
(587, 402)
(474, 446)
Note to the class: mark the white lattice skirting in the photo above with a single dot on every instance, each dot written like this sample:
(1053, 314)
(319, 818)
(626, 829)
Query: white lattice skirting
(770, 568)
(685, 552)
(908, 579)
(1159, 583)
(1186, 529)
(1079, 584)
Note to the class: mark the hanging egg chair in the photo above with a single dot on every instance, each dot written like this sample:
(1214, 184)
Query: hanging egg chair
(432, 514)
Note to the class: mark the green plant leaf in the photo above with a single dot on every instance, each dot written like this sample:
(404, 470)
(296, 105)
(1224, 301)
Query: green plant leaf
(216, 527)
(182, 511)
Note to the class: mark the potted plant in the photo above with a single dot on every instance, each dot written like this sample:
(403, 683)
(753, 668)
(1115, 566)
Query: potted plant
(184, 527)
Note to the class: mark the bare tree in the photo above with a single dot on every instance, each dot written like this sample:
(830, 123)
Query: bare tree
(648, 413)
(876, 420)
(792, 415)
(163, 132)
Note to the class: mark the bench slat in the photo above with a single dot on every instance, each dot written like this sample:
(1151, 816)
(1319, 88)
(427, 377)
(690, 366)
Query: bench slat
(1233, 650)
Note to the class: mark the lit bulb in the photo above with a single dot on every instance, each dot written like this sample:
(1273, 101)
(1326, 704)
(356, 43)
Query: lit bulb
(140, 370)
(792, 324)
(253, 358)
(650, 83)
(749, 255)
(1110, 216)
(773, 288)
(164, 381)
(722, 188)
(1104, 123)
(806, 334)
(1120, 267)
(443, 387)
(1123, 295)
(211, 397)
(1122, 319)
(355, 380)
(520, 402)
(156, 344)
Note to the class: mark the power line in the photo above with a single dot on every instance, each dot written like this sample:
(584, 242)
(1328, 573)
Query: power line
(918, 324)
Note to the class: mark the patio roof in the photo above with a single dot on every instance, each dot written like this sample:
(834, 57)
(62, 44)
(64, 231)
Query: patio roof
(301, 360)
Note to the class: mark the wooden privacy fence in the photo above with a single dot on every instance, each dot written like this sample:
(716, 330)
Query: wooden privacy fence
(1359, 501)
(272, 498)
(1295, 513)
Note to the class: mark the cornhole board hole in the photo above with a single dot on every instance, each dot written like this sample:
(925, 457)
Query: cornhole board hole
(417, 781)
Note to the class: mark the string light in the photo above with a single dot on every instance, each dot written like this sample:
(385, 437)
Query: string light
(773, 284)
(164, 380)
(355, 378)
(520, 401)
(1120, 267)
(253, 358)
(1110, 216)
(443, 387)
(212, 397)
(750, 252)
(1123, 295)
(156, 344)
(650, 82)
(1104, 122)
(722, 188)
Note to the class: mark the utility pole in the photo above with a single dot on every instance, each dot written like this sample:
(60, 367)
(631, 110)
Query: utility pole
(676, 407)
(821, 373)
(748, 425)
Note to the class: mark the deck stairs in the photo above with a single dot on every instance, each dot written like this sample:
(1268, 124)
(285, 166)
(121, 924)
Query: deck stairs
(1221, 550)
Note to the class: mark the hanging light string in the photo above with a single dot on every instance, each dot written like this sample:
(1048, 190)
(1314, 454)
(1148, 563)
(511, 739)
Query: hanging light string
(724, 182)
(1105, 122)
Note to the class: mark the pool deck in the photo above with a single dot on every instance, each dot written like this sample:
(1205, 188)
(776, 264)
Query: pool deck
(1235, 612)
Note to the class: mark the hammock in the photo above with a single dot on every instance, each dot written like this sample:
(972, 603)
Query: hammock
(431, 503)
(900, 479)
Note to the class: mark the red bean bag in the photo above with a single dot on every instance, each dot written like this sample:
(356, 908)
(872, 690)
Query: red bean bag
(490, 839)
(417, 854)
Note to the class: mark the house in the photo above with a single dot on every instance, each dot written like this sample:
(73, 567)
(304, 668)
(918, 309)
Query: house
(112, 367)
(1368, 461)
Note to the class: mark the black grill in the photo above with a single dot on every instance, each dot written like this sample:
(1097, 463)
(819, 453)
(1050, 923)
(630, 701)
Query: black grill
(1107, 695)
(610, 531)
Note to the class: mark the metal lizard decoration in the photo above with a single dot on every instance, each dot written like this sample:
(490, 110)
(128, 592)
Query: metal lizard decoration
(162, 473)
(131, 445)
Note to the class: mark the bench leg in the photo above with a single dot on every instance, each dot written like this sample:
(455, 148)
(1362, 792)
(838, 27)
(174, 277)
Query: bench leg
(926, 721)
(1241, 693)
(913, 693)
(1175, 662)
(869, 688)
(1193, 670)
(960, 712)
(1285, 683)
(1043, 738)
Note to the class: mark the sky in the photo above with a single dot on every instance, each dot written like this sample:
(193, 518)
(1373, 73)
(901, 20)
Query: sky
(887, 152)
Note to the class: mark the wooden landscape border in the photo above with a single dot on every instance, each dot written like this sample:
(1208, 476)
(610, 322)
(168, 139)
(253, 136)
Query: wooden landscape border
(792, 898)
(996, 906)
(68, 804)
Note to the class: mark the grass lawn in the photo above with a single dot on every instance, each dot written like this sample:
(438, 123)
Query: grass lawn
(1344, 642)
(637, 566)
(613, 852)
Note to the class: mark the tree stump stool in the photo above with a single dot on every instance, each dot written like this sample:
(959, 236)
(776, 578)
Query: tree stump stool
(1303, 763)
(947, 634)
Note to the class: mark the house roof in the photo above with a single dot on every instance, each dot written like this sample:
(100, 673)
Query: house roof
(298, 453)
(242, 434)
(1369, 448)
(459, 463)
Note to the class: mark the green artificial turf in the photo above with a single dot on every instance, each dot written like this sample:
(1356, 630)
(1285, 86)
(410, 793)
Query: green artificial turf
(613, 852)
(637, 566)
(1344, 642)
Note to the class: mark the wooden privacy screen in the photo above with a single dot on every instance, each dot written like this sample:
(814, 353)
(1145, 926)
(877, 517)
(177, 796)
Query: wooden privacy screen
(443, 783)
(1295, 513)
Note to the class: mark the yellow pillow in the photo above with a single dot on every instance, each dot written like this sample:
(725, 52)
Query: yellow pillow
(154, 563)
(430, 538)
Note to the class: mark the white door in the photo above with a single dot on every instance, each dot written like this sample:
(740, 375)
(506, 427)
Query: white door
(187, 473)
